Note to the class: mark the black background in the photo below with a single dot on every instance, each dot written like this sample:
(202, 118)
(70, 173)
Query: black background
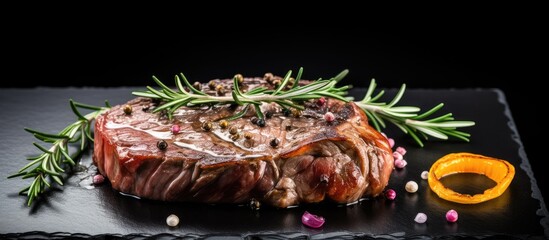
(447, 47)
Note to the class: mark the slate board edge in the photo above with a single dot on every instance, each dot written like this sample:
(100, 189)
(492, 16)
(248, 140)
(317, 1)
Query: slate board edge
(259, 235)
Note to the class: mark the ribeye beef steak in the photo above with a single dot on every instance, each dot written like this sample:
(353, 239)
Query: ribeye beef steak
(296, 157)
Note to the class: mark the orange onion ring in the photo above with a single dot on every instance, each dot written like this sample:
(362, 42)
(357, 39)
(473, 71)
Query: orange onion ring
(501, 171)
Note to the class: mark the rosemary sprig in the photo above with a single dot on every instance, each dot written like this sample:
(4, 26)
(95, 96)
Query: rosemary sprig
(285, 98)
(52, 163)
(408, 119)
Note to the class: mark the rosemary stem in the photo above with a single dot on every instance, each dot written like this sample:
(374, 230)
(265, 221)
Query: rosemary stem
(245, 98)
(380, 110)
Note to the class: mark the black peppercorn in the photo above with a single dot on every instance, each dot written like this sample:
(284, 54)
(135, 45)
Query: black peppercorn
(223, 124)
(276, 83)
(197, 86)
(220, 90)
(274, 142)
(212, 85)
(290, 83)
(289, 86)
(269, 114)
(162, 145)
(286, 112)
(268, 77)
(239, 78)
(261, 122)
(207, 126)
(254, 204)
(127, 109)
(233, 130)
(235, 136)
(296, 112)
(156, 101)
(324, 179)
(248, 135)
(233, 106)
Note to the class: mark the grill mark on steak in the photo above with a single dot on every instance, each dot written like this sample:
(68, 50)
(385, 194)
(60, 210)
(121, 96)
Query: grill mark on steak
(315, 160)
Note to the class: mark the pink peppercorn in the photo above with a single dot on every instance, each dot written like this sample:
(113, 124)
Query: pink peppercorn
(390, 194)
(400, 163)
(175, 129)
(98, 179)
(401, 150)
(321, 101)
(397, 156)
(329, 117)
(391, 142)
(451, 215)
(421, 218)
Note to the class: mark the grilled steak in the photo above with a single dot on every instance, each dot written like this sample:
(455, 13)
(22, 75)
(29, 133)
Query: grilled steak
(295, 158)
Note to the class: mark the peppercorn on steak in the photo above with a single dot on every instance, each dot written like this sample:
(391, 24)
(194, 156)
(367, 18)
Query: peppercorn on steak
(325, 152)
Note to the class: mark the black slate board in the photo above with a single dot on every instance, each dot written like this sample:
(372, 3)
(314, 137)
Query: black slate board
(74, 211)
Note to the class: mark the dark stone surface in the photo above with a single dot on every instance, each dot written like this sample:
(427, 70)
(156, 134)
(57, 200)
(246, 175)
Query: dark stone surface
(73, 209)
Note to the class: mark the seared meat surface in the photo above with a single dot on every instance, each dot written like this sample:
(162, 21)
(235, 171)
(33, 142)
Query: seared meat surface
(295, 158)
